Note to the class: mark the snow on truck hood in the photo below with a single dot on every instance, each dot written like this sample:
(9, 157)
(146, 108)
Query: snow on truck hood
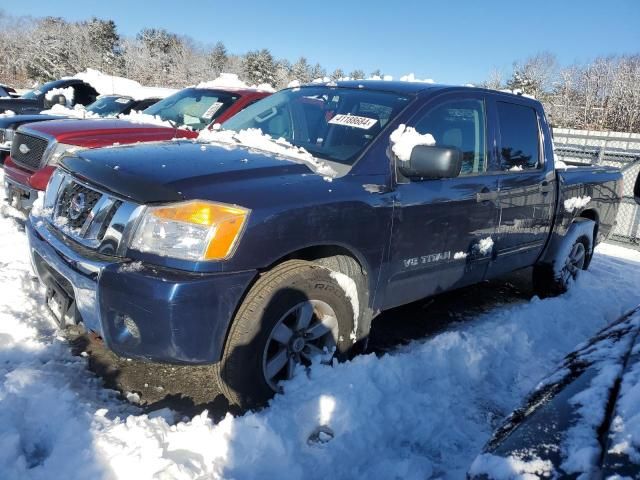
(167, 171)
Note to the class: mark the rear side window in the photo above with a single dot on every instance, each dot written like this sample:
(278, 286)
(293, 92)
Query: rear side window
(460, 124)
(519, 137)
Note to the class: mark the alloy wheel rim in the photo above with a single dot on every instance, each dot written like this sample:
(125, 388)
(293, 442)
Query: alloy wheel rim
(574, 263)
(305, 333)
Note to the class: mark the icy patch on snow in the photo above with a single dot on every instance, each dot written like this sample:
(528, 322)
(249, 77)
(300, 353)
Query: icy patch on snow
(254, 138)
(511, 468)
(576, 203)
(67, 92)
(412, 78)
(112, 85)
(484, 246)
(232, 81)
(404, 138)
(351, 291)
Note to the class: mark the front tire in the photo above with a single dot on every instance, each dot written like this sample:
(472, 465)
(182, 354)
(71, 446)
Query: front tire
(294, 314)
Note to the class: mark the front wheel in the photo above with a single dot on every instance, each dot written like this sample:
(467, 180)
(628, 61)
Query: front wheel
(294, 315)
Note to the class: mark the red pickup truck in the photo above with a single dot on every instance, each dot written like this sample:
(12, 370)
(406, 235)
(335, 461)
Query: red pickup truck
(37, 147)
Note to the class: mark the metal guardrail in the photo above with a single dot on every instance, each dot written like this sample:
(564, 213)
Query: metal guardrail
(627, 229)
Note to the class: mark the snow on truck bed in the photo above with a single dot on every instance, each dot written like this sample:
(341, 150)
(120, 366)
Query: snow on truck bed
(423, 410)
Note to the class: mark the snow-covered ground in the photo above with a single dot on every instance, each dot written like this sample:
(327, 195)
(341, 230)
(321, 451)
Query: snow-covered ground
(421, 411)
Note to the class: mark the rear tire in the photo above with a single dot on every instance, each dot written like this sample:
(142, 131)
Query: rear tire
(289, 316)
(550, 282)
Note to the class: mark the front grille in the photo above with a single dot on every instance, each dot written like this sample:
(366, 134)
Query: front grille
(27, 151)
(94, 219)
(76, 203)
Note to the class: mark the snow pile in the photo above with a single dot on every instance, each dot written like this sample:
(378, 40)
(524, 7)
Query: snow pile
(232, 81)
(422, 411)
(7, 113)
(78, 111)
(112, 85)
(67, 93)
(484, 246)
(404, 138)
(511, 468)
(351, 291)
(576, 203)
(254, 138)
(460, 255)
(140, 117)
(412, 78)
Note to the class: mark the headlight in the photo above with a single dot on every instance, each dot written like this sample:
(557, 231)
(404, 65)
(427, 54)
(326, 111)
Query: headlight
(6, 136)
(193, 230)
(60, 150)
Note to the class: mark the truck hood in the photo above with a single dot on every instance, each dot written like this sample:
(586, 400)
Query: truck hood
(95, 133)
(176, 170)
(20, 105)
(15, 121)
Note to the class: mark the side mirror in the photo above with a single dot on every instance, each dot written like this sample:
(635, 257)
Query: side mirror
(432, 162)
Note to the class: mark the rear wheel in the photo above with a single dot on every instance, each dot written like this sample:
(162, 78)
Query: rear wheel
(549, 281)
(294, 315)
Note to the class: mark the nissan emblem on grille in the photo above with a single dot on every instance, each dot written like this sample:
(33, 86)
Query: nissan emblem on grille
(24, 149)
(76, 206)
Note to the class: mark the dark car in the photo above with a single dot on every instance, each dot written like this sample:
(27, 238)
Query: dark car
(311, 211)
(583, 421)
(104, 106)
(45, 96)
(7, 92)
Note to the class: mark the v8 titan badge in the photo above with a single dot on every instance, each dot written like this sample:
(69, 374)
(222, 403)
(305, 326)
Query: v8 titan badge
(354, 121)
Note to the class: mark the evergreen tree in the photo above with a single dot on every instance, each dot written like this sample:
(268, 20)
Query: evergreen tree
(260, 67)
(218, 58)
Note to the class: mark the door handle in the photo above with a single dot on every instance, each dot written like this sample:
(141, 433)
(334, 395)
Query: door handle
(545, 187)
(486, 195)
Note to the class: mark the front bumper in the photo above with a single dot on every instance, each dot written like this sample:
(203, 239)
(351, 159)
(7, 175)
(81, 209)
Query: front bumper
(20, 194)
(141, 311)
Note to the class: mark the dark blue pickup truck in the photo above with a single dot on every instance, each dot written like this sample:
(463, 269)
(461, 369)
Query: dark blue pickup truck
(258, 254)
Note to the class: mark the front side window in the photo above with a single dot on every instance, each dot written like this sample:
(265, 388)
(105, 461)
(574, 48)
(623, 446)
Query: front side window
(110, 106)
(193, 107)
(459, 124)
(331, 123)
(519, 137)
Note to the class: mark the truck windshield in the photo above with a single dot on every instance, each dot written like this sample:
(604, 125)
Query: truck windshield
(193, 107)
(109, 106)
(332, 123)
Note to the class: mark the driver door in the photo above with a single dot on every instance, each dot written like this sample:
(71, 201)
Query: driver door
(439, 223)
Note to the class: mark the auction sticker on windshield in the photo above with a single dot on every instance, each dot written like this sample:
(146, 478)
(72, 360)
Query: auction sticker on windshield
(354, 121)
(212, 110)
